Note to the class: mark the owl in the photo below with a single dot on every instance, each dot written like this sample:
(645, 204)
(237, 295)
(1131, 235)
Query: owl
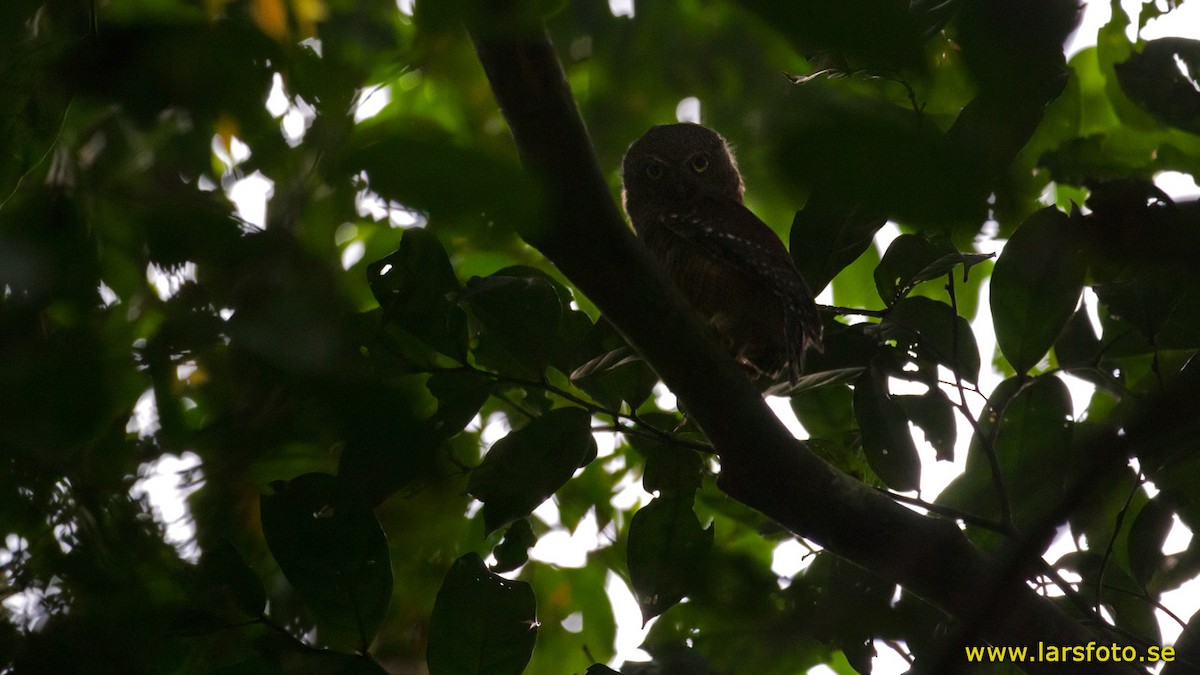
(683, 194)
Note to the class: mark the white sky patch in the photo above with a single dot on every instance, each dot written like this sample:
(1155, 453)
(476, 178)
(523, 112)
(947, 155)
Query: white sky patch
(107, 295)
(1177, 185)
(567, 549)
(790, 557)
(144, 420)
(353, 253)
(621, 8)
(162, 483)
(296, 121)
(782, 407)
(573, 623)
(314, 44)
(232, 154)
(688, 110)
(27, 609)
(664, 398)
(371, 101)
(886, 235)
(295, 115)
(370, 205)
(1183, 602)
(1181, 22)
(630, 632)
(1178, 538)
(628, 493)
(1097, 13)
(250, 195)
(494, 429)
(167, 283)
(277, 100)
(405, 7)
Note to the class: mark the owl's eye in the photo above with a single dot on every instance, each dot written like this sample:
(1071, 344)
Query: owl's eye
(654, 170)
(700, 163)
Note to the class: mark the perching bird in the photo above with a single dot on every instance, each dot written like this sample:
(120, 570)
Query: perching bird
(683, 194)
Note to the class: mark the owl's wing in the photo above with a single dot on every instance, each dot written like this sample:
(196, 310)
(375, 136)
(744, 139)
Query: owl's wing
(732, 234)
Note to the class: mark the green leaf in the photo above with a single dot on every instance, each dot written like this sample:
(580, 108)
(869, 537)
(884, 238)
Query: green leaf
(460, 395)
(1036, 286)
(223, 567)
(933, 413)
(413, 286)
(912, 259)
(482, 623)
(386, 448)
(518, 321)
(1032, 445)
(667, 548)
(333, 552)
(528, 465)
(1078, 345)
(620, 374)
(1156, 80)
(670, 471)
(933, 330)
(513, 551)
(886, 440)
(1119, 593)
(827, 236)
(827, 412)
(1146, 538)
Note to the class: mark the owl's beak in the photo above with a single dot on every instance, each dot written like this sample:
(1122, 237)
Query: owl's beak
(685, 190)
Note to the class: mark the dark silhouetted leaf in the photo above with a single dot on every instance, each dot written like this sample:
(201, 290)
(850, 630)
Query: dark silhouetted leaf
(933, 413)
(827, 236)
(933, 330)
(1036, 287)
(1163, 80)
(525, 467)
(911, 259)
(667, 548)
(1032, 445)
(334, 554)
(886, 440)
(518, 321)
(671, 471)
(460, 394)
(224, 568)
(413, 286)
(826, 412)
(482, 623)
(513, 550)
(1077, 346)
(1146, 538)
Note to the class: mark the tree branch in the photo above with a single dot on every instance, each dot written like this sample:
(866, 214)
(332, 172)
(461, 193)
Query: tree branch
(762, 465)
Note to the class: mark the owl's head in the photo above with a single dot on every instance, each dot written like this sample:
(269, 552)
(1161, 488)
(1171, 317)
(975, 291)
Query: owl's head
(674, 166)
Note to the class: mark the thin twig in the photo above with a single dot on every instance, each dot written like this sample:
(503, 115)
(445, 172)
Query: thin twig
(948, 512)
(1112, 541)
(642, 428)
(989, 449)
(852, 311)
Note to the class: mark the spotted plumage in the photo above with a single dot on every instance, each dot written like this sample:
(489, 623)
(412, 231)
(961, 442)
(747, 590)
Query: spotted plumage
(683, 194)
